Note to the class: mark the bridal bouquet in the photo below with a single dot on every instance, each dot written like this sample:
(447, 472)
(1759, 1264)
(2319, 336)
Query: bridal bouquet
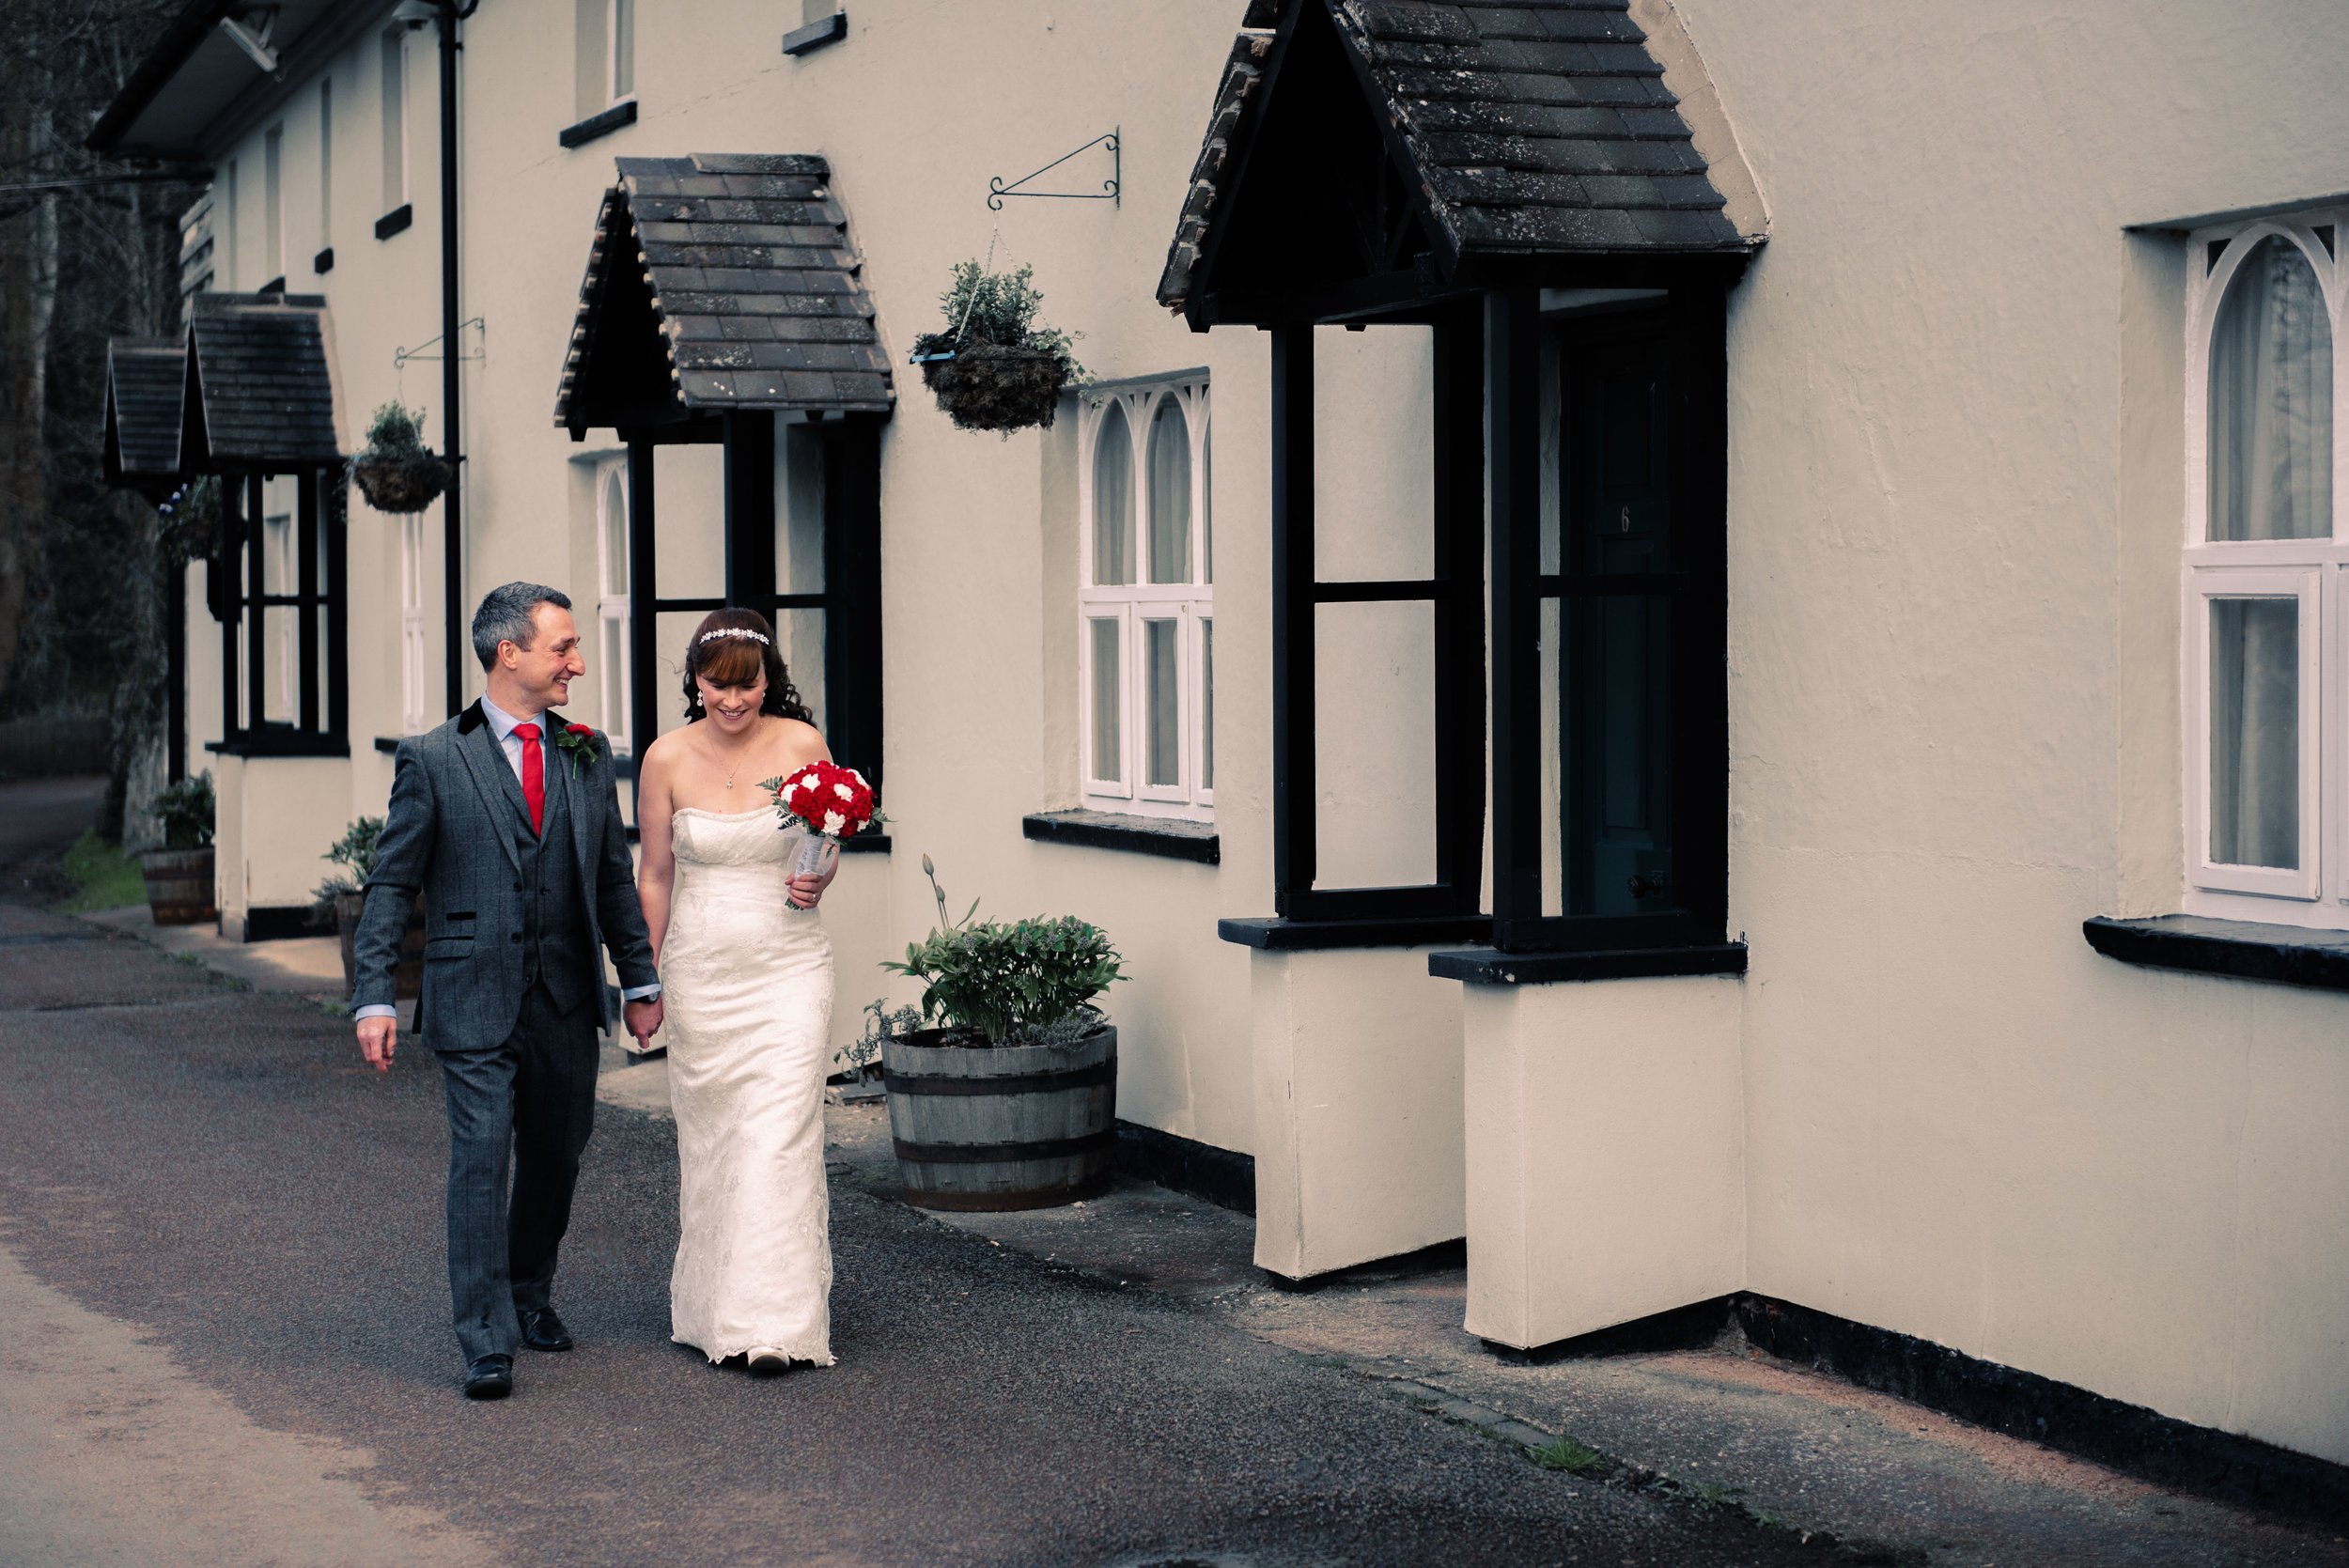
(831, 802)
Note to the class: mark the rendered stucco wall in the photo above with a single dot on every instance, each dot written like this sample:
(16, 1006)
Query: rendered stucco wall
(1962, 1122)
(1605, 1152)
(1358, 1096)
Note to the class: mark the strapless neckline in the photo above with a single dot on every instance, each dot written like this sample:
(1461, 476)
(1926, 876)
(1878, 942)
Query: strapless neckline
(718, 816)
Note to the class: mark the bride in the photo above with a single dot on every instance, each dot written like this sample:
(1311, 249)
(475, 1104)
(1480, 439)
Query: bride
(747, 980)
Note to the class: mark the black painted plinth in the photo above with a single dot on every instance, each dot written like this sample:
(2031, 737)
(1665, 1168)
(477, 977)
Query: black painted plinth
(2242, 948)
(396, 221)
(803, 41)
(1222, 1176)
(1486, 967)
(1168, 837)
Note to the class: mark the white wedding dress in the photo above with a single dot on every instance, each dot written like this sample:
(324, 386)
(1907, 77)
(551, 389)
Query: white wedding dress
(746, 981)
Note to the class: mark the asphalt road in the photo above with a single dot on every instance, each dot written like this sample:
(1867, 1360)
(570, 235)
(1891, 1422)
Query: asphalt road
(230, 1248)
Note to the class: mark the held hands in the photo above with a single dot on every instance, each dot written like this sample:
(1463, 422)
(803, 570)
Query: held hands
(643, 1017)
(375, 1041)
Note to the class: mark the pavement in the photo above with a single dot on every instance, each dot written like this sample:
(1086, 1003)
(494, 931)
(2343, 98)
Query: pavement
(223, 1324)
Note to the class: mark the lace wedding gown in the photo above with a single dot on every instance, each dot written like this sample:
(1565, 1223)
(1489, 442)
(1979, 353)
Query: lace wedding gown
(748, 988)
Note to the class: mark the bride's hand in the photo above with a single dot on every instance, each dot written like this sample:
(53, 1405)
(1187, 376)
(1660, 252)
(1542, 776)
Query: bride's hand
(807, 891)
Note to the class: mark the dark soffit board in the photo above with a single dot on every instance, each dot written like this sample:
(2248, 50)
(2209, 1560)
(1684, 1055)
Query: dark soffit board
(1538, 127)
(194, 85)
(146, 377)
(261, 382)
(722, 281)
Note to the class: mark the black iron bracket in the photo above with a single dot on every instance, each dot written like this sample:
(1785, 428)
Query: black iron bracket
(997, 190)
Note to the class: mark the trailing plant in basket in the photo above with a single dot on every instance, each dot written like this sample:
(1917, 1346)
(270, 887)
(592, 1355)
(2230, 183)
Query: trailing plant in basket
(1029, 982)
(397, 473)
(995, 367)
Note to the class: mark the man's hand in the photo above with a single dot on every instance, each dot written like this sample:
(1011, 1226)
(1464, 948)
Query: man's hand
(644, 1019)
(375, 1041)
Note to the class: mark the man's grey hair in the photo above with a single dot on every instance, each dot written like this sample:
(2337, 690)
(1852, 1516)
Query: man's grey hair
(508, 616)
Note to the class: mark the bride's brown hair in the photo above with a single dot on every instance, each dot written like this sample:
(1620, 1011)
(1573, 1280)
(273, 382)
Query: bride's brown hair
(744, 645)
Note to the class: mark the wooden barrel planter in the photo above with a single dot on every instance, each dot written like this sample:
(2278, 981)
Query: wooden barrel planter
(1015, 1128)
(408, 978)
(180, 885)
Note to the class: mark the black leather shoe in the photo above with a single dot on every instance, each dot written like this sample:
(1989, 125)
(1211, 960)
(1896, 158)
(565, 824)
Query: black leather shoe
(543, 1330)
(491, 1377)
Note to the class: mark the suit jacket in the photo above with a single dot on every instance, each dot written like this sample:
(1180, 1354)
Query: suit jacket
(452, 832)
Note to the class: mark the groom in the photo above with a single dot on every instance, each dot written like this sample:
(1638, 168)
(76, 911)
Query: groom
(508, 819)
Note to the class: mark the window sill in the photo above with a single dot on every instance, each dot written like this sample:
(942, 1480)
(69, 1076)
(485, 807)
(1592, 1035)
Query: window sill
(832, 29)
(2238, 949)
(597, 125)
(1172, 838)
(1486, 967)
(397, 219)
(292, 743)
(1309, 935)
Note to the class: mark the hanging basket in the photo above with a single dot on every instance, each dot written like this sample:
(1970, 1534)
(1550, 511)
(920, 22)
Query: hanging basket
(400, 479)
(986, 386)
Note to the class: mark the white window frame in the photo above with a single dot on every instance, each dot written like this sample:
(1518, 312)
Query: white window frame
(613, 48)
(617, 673)
(2315, 572)
(411, 641)
(1133, 604)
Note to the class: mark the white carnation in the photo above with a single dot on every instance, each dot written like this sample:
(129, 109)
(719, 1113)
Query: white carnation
(833, 822)
(844, 792)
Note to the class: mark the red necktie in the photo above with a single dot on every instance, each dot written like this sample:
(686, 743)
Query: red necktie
(534, 776)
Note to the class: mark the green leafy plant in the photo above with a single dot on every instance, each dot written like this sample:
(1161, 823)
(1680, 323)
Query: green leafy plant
(1029, 982)
(879, 1024)
(186, 810)
(1567, 1455)
(356, 851)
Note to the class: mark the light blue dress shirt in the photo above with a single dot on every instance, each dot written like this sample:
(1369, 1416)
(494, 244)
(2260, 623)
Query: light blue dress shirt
(502, 725)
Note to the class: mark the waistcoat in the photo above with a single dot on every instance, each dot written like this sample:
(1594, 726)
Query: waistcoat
(554, 908)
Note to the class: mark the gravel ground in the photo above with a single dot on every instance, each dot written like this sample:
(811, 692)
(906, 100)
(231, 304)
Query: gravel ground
(214, 1169)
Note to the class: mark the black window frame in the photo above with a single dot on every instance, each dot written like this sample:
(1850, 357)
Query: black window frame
(1448, 908)
(237, 591)
(1693, 317)
(850, 600)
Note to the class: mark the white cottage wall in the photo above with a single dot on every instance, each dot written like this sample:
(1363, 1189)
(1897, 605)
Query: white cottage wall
(909, 110)
(1962, 1122)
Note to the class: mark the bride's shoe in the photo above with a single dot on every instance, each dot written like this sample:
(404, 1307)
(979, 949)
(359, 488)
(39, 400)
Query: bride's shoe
(767, 1362)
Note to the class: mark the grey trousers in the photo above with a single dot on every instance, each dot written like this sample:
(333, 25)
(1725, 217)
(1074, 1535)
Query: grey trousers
(532, 1099)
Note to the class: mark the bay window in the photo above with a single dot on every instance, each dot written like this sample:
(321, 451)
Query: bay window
(2266, 576)
(1147, 597)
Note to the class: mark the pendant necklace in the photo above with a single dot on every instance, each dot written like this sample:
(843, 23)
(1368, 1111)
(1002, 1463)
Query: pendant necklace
(730, 772)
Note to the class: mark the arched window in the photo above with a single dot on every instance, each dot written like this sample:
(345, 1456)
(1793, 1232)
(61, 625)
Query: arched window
(2271, 400)
(611, 600)
(1147, 638)
(1112, 499)
(2264, 576)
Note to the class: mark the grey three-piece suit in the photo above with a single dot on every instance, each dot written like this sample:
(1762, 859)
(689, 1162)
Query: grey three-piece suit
(513, 989)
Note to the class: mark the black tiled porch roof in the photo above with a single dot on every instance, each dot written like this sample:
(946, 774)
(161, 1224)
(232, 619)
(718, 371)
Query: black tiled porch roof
(146, 377)
(755, 287)
(1538, 127)
(262, 382)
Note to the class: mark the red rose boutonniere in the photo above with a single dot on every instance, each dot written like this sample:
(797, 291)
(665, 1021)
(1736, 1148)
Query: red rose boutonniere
(579, 741)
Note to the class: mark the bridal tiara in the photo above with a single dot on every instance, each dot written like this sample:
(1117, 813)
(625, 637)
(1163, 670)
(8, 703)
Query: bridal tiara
(758, 637)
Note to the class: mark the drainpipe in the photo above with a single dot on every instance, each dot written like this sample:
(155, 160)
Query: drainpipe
(452, 366)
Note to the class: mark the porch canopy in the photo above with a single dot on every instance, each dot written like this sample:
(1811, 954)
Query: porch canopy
(146, 380)
(1497, 174)
(249, 394)
(723, 293)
